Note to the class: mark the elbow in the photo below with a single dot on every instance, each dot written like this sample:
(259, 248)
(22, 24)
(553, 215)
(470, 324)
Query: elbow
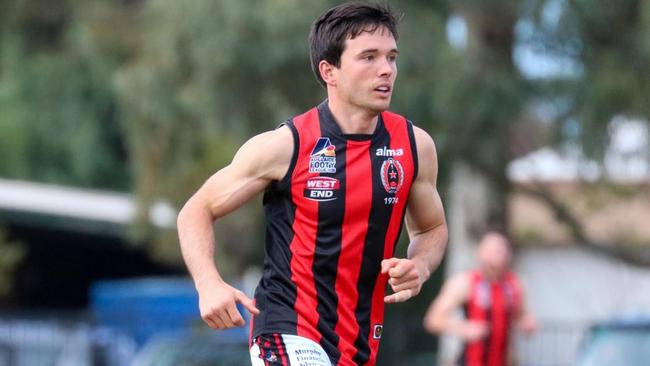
(181, 218)
(435, 322)
(192, 211)
(431, 324)
(444, 234)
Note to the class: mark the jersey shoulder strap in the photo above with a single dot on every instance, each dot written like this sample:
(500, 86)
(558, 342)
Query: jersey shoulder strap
(297, 125)
(400, 127)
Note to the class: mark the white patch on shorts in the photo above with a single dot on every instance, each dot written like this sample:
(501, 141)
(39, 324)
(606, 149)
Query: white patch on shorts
(301, 352)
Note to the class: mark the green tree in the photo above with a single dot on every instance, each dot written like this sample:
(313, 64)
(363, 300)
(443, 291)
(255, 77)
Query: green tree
(58, 117)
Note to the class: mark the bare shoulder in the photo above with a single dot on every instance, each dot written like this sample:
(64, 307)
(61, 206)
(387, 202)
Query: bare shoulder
(268, 154)
(427, 156)
(459, 284)
(425, 145)
(275, 138)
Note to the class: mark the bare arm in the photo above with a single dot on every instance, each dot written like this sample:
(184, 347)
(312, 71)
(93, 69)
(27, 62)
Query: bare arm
(524, 319)
(426, 225)
(440, 316)
(261, 160)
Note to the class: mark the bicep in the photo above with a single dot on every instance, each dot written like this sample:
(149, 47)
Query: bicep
(424, 210)
(452, 295)
(261, 160)
(521, 309)
(228, 189)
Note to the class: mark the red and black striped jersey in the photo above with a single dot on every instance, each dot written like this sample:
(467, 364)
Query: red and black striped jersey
(496, 303)
(330, 222)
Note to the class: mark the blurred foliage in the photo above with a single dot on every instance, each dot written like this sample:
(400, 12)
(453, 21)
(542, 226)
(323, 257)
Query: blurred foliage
(57, 116)
(11, 254)
(152, 96)
(608, 41)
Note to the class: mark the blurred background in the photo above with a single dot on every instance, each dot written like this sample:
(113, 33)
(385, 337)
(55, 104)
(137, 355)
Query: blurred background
(112, 113)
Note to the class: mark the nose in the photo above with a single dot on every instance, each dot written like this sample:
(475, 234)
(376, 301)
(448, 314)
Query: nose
(387, 68)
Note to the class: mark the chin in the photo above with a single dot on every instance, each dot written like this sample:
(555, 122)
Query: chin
(380, 107)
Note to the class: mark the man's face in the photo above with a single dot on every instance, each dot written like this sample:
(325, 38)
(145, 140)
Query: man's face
(494, 252)
(368, 70)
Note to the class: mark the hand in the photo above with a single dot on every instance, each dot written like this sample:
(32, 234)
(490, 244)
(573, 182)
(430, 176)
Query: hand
(473, 330)
(217, 303)
(406, 278)
(528, 325)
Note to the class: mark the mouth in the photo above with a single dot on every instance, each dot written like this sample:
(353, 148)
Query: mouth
(384, 89)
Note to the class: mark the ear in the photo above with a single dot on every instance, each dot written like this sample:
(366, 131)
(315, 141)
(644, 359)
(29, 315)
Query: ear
(327, 72)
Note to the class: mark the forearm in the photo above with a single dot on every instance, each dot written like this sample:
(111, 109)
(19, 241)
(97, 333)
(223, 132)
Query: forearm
(428, 247)
(450, 325)
(442, 321)
(196, 236)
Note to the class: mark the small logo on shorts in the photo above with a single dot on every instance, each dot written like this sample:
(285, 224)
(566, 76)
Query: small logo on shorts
(377, 330)
(269, 356)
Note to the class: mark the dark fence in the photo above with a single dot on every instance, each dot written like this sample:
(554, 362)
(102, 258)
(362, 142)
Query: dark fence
(554, 344)
(51, 342)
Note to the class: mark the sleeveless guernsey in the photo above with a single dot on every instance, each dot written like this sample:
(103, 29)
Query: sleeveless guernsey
(330, 222)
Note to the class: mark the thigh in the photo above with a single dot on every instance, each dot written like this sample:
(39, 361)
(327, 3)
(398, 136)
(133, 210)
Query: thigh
(287, 350)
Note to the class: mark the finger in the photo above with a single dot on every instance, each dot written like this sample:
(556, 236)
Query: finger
(407, 277)
(402, 268)
(235, 316)
(210, 319)
(410, 285)
(225, 318)
(211, 323)
(387, 264)
(248, 303)
(215, 321)
(398, 297)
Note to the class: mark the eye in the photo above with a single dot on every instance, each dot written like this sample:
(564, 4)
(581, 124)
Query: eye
(392, 58)
(368, 57)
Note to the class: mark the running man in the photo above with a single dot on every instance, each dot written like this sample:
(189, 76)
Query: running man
(493, 302)
(338, 181)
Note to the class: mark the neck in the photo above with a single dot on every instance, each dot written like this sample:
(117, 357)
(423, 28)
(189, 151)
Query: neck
(493, 274)
(353, 120)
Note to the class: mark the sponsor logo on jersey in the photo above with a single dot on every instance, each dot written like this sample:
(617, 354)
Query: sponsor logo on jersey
(322, 189)
(483, 297)
(384, 151)
(392, 175)
(323, 157)
(509, 295)
(377, 329)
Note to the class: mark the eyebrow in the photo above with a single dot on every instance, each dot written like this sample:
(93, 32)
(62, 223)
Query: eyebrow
(374, 50)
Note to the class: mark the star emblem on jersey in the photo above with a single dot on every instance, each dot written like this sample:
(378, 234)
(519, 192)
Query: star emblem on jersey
(392, 175)
(323, 157)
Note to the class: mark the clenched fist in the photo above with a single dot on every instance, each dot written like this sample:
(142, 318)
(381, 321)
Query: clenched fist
(406, 277)
(218, 305)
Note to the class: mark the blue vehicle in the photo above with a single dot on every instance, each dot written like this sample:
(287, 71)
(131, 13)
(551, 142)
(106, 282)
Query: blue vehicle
(148, 307)
(619, 342)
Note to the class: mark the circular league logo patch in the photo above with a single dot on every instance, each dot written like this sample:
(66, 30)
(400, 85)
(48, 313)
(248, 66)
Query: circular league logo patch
(392, 175)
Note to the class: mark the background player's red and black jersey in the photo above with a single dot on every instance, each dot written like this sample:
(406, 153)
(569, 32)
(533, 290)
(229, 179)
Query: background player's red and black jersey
(330, 222)
(497, 303)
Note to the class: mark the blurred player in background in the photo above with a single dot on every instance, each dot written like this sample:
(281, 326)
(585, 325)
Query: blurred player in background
(492, 299)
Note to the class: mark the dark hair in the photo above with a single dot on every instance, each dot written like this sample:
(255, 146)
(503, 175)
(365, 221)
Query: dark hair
(330, 30)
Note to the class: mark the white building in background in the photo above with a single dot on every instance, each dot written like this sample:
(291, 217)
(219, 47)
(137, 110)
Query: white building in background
(83, 207)
(627, 159)
(570, 287)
